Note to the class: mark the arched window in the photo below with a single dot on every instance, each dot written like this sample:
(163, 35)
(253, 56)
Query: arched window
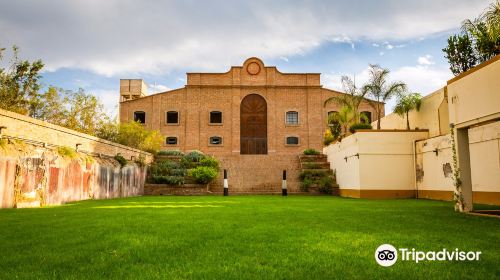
(215, 140)
(292, 140)
(367, 117)
(172, 117)
(140, 116)
(171, 140)
(215, 117)
(292, 117)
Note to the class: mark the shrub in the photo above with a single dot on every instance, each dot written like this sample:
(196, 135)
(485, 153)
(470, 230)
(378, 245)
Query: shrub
(325, 185)
(167, 167)
(357, 126)
(311, 152)
(121, 160)
(194, 156)
(312, 174)
(67, 152)
(305, 184)
(141, 161)
(328, 139)
(203, 174)
(170, 153)
(166, 179)
(210, 162)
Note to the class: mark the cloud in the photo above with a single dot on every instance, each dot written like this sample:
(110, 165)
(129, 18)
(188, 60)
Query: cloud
(154, 88)
(284, 58)
(425, 60)
(117, 38)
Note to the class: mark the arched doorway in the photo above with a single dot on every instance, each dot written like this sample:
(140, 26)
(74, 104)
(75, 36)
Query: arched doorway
(253, 125)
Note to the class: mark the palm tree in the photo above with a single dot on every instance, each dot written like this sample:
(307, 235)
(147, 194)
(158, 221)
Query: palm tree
(406, 103)
(485, 31)
(380, 90)
(352, 99)
(344, 118)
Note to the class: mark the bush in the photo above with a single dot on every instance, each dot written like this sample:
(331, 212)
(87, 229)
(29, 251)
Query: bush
(194, 156)
(312, 174)
(328, 139)
(357, 126)
(325, 185)
(311, 152)
(305, 184)
(167, 167)
(170, 153)
(166, 179)
(121, 160)
(67, 152)
(203, 174)
(210, 162)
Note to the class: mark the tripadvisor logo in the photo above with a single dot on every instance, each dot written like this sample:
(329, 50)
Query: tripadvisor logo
(387, 255)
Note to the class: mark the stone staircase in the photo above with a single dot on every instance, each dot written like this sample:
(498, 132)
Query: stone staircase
(319, 164)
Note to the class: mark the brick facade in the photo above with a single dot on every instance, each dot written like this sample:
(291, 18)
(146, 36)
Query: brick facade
(224, 92)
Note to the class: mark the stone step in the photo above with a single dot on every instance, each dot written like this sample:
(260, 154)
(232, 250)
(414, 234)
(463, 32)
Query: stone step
(328, 171)
(321, 165)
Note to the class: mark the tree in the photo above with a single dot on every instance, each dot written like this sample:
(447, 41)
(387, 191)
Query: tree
(352, 99)
(406, 103)
(344, 118)
(485, 31)
(19, 84)
(134, 134)
(460, 53)
(380, 89)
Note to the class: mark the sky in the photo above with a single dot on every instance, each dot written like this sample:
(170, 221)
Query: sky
(91, 44)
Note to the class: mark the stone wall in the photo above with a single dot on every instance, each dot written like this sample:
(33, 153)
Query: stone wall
(46, 134)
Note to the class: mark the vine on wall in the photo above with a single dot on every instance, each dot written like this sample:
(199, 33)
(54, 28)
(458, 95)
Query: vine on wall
(457, 182)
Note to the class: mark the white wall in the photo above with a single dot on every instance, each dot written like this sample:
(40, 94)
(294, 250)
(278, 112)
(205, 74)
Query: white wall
(484, 145)
(385, 160)
(434, 172)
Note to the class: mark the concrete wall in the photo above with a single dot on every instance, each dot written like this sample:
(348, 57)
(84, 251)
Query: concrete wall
(474, 96)
(385, 165)
(35, 176)
(32, 173)
(434, 168)
(433, 115)
(484, 146)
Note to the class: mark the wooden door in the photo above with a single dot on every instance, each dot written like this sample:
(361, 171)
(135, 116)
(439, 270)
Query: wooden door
(253, 125)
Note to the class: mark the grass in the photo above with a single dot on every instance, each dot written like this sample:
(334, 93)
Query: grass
(241, 237)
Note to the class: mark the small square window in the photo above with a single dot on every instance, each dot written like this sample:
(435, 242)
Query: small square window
(171, 141)
(140, 116)
(292, 140)
(215, 117)
(215, 140)
(292, 117)
(172, 117)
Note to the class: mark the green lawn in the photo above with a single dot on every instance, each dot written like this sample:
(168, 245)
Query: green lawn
(241, 237)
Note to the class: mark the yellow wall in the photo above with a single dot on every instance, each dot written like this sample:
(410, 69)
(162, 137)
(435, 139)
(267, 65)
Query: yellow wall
(432, 116)
(385, 161)
(484, 144)
(475, 96)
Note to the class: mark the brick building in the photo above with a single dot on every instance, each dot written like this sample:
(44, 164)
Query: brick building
(253, 118)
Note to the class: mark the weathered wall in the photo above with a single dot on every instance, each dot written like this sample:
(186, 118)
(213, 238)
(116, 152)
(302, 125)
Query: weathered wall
(35, 176)
(434, 168)
(33, 173)
(433, 115)
(375, 164)
(53, 135)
